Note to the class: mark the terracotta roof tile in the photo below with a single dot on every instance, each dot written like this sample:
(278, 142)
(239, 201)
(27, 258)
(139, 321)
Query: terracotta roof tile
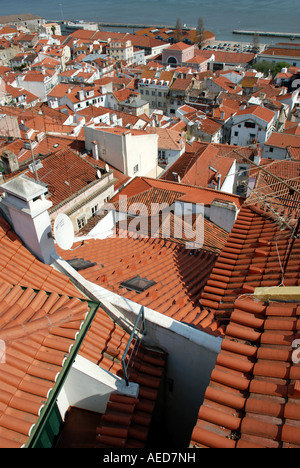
(179, 277)
(126, 421)
(28, 320)
(253, 383)
(18, 266)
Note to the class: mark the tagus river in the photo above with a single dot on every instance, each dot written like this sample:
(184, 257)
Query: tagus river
(220, 16)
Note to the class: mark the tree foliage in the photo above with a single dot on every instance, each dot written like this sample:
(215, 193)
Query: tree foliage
(200, 32)
(178, 30)
(267, 67)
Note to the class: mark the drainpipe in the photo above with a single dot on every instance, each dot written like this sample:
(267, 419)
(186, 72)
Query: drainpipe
(219, 181)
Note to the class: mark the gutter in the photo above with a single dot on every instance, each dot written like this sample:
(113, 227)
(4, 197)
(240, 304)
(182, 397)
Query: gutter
(54, 392)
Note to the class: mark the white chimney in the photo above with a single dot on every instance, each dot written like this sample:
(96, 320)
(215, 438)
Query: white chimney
(95, 150)
(28, 211)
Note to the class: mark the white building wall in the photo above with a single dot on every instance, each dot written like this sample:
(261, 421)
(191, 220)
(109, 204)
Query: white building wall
(89, 387)
(228, 183)
(134, 155)
(273, 152)
(242, 135)
(140, 153)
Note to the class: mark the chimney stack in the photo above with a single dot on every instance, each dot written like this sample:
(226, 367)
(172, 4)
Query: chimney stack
(27, 207)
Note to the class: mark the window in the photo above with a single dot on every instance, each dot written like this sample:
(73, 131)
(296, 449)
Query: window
(135, 168)
(159, 93)
(81, 222)
(147, 92)
(236, 133)
(161, 155)
(271, 150)
(137, 284)
(249, 124)
(94, 210)
(153, 93)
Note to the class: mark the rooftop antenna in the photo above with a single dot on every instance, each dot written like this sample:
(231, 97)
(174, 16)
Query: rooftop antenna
(34, 163)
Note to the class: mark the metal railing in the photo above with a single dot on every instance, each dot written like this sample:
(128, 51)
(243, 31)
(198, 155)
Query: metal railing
(136, 335)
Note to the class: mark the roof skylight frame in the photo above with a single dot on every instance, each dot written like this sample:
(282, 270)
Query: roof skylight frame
(137, 284)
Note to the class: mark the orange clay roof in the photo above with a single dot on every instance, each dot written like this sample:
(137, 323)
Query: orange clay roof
(40, 316)
(19, 267)
(190, 194)
(65, 173)
(253, 396)
(248, 260)
(252, 400)
(38, 330)
(178, 274)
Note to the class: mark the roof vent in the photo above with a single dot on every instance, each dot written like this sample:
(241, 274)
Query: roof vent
(137, 284)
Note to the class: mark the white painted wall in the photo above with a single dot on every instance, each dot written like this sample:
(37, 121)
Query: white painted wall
(89, 387)
(274, 152)
(228, 183)
(223, 214)
(124, 151)
(262, 130)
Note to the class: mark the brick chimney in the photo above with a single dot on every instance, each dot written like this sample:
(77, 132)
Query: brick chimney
(9, 161)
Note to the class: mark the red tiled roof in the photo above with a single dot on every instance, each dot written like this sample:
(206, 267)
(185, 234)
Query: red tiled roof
(38, 330)
(281, 52)
(167, 138)
(248, 260)
(179, 46)
(228, 57)
(193, 165)
(252, 399)
(261, 112)
(283, 140)
(65, 173)
(179, 276)
(190, 194)
(40, 317)
(19, 267)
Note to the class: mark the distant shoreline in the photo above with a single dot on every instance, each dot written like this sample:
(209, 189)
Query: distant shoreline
(71, 24)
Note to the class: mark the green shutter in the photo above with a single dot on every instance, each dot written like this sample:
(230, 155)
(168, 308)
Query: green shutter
(50, 430)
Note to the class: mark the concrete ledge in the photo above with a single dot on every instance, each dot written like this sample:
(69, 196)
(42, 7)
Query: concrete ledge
(282, 293)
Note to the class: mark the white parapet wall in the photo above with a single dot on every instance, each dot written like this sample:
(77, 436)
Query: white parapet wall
(89, 387)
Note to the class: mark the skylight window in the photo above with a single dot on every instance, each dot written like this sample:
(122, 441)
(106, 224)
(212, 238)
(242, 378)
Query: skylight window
(137, 284)
(81, 264)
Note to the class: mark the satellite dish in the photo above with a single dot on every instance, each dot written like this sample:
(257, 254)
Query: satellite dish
(107, 167)
(99, 174)
(64, 232)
